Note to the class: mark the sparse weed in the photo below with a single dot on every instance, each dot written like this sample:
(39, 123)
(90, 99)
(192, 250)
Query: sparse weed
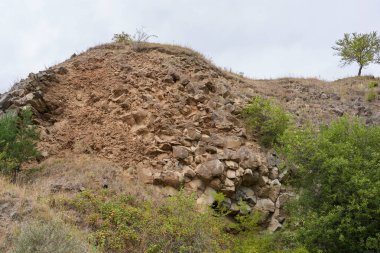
(47, 237)
(373, 84)
(371, 95)
(122, 37)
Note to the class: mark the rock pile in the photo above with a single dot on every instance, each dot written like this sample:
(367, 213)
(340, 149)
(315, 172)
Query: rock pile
(165, 115)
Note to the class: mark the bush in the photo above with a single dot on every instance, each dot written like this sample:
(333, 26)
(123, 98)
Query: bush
(264, 243)
(266, 119)
(122, 38)
(48, 237)
(123, 224)
(17, 141)
(373, 84)
(337, 170)
(137, 41)
(371, 95)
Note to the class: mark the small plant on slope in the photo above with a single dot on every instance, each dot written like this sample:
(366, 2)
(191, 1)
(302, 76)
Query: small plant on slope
(18, 138)
(267, 119)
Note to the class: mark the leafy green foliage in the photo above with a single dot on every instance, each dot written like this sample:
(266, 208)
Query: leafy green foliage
(17, 141)
(338, 172)
(266, 119)
(122, 38)
(360, 48)
(48, 237)
(264, 242)
(373, 84)
(123, 224)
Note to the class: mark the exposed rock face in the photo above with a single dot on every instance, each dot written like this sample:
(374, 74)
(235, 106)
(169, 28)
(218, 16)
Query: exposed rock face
(166, 116)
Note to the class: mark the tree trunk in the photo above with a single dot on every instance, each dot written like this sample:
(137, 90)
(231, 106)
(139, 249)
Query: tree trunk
(360, 70)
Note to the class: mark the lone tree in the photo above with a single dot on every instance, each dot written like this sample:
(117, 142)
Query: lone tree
(361, 48)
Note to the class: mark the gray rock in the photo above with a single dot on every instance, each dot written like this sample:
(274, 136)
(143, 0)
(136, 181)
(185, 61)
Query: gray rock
(180, 152)
(210, 169)
(248, 159)
(231, 174)
(167, 178)
(246, 194)
(5, 101)
(232, 142)
(274, 225)
(265, 205)
(250, 178)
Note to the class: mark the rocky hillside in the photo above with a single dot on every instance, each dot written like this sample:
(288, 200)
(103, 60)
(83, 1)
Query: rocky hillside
(166, 117)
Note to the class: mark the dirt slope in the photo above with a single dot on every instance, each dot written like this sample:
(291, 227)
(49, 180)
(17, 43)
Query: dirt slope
(166, 116)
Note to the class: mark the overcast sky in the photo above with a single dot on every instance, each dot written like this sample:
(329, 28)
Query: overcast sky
(261, 38)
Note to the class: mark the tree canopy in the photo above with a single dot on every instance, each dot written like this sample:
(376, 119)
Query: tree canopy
(360, 48)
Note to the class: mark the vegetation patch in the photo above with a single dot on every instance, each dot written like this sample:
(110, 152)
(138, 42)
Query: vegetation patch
(18, 138)
(373, 84)
(267, 119)
(48, 237)
(337, 170)
(371, 95)
(124, 224)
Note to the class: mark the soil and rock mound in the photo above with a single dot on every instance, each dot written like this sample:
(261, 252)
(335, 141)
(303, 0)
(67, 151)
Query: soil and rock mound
(168, 117)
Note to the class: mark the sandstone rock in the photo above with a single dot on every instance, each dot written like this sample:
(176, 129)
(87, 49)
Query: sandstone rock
(270, 191)
(216, 141)
(167, 178)
(274, 225)
(239, 172)
(145, 175)
(196, 184)
(232, 142)
(193, 134)
(180, 152)
(210, 169)
(216, 184)
(188, 172)
(229, 183)
(232, 165)
(265, 205)
(282, 199)
(248, 159)
(207, 198)
(231, 174)
(273, 173)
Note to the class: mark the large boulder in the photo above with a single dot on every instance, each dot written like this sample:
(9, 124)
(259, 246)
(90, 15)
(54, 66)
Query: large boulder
(208, 170)
(168, 178)
(248, 159)
(265, 205)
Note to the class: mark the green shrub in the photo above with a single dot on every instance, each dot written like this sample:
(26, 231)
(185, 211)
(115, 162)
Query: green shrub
(122, 38)
(48, 237)
(264, 242)
(17, 141)
(123, 224)
(337, 170)
(371, 95)
(372, 84)
(266, 119)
